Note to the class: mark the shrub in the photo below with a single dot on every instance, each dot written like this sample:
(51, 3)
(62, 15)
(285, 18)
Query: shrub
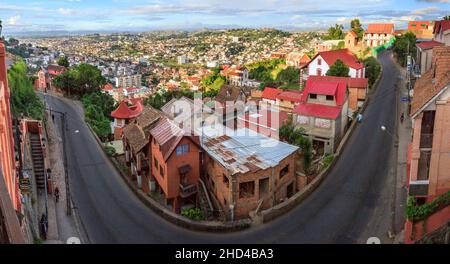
(416, 212)
(327, 160)
(110, 151)
(193, 214)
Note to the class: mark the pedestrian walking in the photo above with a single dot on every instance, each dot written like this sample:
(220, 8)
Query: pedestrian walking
(44, 226)
(402, 118)
(56, 194)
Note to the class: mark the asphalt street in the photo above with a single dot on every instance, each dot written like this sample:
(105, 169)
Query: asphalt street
(352, 204)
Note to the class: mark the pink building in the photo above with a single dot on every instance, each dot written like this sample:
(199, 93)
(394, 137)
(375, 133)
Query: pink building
(429, 171)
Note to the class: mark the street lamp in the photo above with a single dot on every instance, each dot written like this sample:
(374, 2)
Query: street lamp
(384, 129)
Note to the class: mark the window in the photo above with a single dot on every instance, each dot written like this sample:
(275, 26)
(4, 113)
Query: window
(284, 171)
(161, 171)
(312, 96)
(226, 181)
(319, 72)
(330, 98)
(182, 149)
(156, 162)
(319, 61)
(246, 189)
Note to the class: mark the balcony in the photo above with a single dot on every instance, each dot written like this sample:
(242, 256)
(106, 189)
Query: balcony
(187, 190)
(418, 188)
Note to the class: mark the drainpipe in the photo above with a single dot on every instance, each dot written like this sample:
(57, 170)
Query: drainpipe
(272, 191)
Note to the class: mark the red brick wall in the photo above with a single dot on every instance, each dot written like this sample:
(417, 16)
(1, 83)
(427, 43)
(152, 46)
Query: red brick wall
(171, 180)
(243, 206)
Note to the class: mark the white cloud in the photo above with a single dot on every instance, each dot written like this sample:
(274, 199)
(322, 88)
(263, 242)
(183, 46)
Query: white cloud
(66, 11)
(13, 21)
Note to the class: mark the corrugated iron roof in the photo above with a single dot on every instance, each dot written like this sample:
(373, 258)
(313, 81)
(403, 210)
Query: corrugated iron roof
(243, 150)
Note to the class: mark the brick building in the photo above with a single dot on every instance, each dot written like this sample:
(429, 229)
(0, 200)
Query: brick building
(176, 161)
(247, 171)
(136, 139)
(428, 158)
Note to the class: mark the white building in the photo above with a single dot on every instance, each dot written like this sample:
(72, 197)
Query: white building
(130, 81)
(321, 63)
(378, 34)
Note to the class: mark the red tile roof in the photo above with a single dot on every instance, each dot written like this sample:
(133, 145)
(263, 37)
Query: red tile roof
(125, 111)
(361, 83)
(380, 28)
(317, 110)
(429, 44)
(167, 134)
(441, 25)
(266, 117)
(293, 96)
(335, 88)
(108, 87)
(344, 55)
(271, 93)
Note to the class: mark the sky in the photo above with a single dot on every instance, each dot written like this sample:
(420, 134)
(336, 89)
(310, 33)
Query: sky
(143, 15)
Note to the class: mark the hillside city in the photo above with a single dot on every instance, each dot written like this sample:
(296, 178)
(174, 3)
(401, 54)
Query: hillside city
(340, 134)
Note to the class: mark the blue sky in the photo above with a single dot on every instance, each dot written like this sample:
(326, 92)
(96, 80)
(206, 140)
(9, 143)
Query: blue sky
(124, 15)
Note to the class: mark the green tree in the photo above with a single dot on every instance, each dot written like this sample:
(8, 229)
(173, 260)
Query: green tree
(402, 45)
(356, 26)
(63, 61)
(338, 69)
(336, 32)
(294, 135)
(289, 75)
(98, 107)
(23, 97)
(373, 69)
(80, 80)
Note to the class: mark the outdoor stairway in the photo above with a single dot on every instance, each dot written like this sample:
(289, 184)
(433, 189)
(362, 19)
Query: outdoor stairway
(38, 160)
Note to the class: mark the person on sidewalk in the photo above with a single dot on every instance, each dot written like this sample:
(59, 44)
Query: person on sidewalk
(402, 118)
(44, 226)
(56, 194)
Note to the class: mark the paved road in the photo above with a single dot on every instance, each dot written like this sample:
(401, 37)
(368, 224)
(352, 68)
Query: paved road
(350, 205)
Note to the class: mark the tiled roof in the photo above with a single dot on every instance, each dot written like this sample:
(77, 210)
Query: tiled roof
(345, 55)
(361, 83)
(442, 25)
(429, 44)
(318, 110)
(271, 93)
(434, 80)
(335, 88)
(55, 69)
(380, 28)
(135, 137)
(231, 93)
(148, 117)
(124, 111)
(293, 96)
(167, 134)
(266, 117)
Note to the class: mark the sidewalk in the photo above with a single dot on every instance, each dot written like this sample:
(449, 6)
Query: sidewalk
(67, 226)
(404, 136)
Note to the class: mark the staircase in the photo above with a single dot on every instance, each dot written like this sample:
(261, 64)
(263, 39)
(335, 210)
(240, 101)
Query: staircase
(38, 160)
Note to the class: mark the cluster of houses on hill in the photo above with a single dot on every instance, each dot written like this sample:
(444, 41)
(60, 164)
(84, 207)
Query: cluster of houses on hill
(234, 154)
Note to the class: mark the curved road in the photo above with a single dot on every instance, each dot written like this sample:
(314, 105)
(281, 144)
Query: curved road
(352, 204)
